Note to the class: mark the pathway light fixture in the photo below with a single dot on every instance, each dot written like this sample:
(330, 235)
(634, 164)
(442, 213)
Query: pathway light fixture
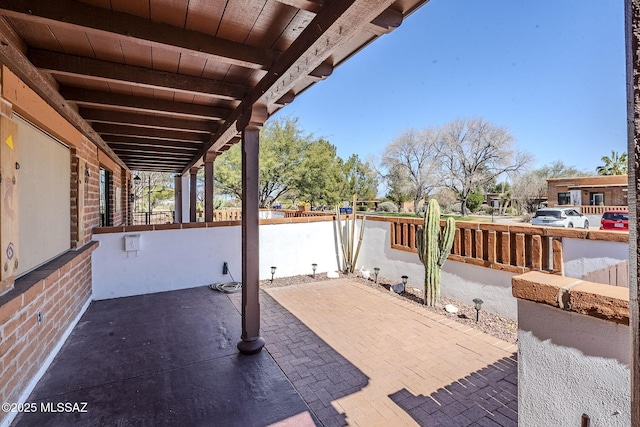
(273, 271)
(478, 306)
(313, 267)
(376, 271)
(404, 282)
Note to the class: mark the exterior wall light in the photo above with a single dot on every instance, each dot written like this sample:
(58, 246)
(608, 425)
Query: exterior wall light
(313, 267)
(273, 271)
(478, 306)
(376, 271)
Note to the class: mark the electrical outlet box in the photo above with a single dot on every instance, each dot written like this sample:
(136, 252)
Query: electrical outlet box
(132, 242)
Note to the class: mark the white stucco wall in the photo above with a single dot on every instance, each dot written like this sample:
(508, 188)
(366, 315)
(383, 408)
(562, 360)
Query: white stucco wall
(179, 259)
(571, 364)
(462, 282)
(583, 256)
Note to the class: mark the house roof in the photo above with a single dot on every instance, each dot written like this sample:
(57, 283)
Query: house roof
(159, 84)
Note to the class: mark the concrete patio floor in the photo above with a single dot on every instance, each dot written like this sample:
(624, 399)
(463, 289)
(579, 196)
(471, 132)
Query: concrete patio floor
(337, 353)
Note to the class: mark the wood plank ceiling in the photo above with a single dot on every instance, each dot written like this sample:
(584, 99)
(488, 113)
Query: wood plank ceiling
(157, 84)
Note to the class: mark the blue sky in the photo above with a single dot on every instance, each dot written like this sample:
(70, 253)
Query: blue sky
(551, 71)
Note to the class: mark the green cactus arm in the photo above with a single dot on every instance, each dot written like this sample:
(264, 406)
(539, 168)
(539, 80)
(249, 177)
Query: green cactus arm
(446, 241)
(420, 244)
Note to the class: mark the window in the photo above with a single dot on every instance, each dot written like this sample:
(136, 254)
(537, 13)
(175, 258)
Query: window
(597, 199)
(105, 204)
(564, 198)
(44, 197)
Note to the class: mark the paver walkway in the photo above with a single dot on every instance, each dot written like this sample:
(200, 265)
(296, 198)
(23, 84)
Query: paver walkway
(360, 356)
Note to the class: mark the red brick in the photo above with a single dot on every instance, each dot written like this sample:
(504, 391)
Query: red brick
(9, 309)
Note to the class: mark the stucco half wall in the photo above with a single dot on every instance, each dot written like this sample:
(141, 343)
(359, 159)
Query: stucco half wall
(185, 258)
(571, 364)
(460, 281)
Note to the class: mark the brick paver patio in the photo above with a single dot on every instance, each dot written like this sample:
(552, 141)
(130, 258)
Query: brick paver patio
(360, 356)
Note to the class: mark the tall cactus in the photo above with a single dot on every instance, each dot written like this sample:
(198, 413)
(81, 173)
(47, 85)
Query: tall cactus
(433, 248)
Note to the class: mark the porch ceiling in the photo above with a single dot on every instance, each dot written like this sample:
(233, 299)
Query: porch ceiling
(157, 84)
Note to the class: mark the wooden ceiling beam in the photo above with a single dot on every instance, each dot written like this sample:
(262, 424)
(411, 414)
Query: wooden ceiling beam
(147, 121)
(384, 23)
(330, 28)
(122, 148)
(15, 60)
(106, 129)
(94, 19)
(115, 139)
(84, 97)
(314, 6)
(95, 69)
(149, 155)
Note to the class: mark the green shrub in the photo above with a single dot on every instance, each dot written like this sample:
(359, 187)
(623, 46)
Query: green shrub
(474, 201)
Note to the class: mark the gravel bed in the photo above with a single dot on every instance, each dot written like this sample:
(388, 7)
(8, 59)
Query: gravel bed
(489, 323)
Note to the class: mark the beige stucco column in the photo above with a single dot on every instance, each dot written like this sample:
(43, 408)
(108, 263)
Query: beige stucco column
(193, 191)
(208, 186)
(250, 124)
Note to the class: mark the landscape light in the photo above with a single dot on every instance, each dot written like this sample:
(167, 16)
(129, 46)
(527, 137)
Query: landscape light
(404, 282)
(376, 271)
(478, 306)
(273, 271)
(313, 267)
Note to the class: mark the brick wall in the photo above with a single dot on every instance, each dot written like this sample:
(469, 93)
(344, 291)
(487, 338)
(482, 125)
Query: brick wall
(62, 286)
(612, 186)
(59, 290)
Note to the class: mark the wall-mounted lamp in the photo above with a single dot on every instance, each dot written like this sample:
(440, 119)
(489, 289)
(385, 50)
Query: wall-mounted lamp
(273, 271)
(313, 267)
(376, 271)
(478, 306)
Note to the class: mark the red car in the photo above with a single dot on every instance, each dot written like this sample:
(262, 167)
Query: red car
(615, 220)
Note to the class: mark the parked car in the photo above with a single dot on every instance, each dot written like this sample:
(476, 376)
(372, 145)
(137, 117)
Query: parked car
(615, 220)
(560, 217)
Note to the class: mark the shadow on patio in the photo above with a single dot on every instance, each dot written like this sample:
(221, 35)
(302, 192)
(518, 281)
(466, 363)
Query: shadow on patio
(337, 354)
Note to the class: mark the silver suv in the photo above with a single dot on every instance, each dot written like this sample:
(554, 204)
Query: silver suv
(560, 217)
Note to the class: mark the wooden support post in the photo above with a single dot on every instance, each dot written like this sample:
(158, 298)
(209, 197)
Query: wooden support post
(177, 198)
(193, 192)
(249, 125)
(208, 187)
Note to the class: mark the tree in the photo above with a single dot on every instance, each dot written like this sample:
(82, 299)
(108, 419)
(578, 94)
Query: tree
(296, 167)
(154, 186)
(320, 172)
(283, 148)
(614, 165)
(530, 189)
(558, 169)
(398, 185)
(475, 152)
(410, 160)
(357, 178)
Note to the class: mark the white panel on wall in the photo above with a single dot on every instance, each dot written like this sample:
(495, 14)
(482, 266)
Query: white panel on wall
(44, 192)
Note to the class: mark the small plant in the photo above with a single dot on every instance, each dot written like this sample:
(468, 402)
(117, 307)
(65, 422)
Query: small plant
(347, 239)
(387, 207)
(434, 246)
